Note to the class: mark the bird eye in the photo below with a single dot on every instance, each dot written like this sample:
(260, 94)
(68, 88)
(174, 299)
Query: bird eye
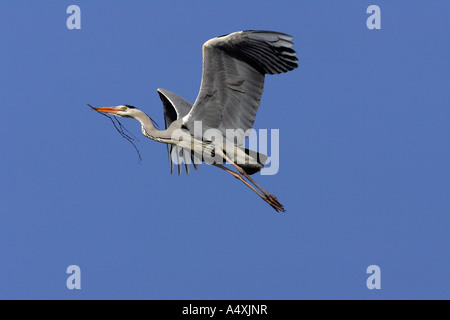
(124, 108)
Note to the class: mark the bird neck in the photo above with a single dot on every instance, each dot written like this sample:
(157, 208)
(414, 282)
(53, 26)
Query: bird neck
(148, 128)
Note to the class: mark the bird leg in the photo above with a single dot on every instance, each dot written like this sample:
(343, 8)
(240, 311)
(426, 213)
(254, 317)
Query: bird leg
(277, 207)
(270, 197)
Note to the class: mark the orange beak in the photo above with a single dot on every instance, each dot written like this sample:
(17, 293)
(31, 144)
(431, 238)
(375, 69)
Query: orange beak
(111, 110)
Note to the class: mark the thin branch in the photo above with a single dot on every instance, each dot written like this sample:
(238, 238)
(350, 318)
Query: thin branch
(121, 131)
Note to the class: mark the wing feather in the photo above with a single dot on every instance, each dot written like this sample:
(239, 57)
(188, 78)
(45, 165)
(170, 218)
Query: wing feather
(175, 108)
(234, 67)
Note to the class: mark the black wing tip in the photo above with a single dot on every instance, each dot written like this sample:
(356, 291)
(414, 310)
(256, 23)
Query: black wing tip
(281, 45)
(282, 34)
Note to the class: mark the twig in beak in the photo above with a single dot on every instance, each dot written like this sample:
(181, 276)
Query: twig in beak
(121, 131)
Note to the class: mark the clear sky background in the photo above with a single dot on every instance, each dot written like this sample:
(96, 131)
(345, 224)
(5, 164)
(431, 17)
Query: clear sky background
(364, 155)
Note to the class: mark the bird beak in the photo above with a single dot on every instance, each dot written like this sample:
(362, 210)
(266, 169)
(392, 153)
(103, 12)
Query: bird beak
(111, 110)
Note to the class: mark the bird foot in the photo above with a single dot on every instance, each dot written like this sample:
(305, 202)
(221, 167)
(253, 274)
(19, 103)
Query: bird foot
(274, 203)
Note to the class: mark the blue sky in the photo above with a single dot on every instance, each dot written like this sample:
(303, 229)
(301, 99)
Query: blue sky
(364, 170)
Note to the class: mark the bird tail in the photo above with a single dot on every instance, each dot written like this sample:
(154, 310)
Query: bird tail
(255, 162)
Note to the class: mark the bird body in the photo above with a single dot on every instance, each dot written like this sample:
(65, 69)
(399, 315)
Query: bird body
(234, 67)
(186, 143)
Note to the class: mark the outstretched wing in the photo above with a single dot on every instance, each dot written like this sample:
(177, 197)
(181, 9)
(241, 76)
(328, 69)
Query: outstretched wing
(175, 107)
(234, 66)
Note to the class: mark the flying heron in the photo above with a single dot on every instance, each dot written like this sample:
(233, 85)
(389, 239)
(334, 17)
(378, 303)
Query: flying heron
(234, 66)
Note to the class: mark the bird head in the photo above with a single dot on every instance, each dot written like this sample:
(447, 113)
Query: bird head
(126, 111)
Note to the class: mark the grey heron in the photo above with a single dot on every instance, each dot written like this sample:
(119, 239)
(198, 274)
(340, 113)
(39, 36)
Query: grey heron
(234, 67)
